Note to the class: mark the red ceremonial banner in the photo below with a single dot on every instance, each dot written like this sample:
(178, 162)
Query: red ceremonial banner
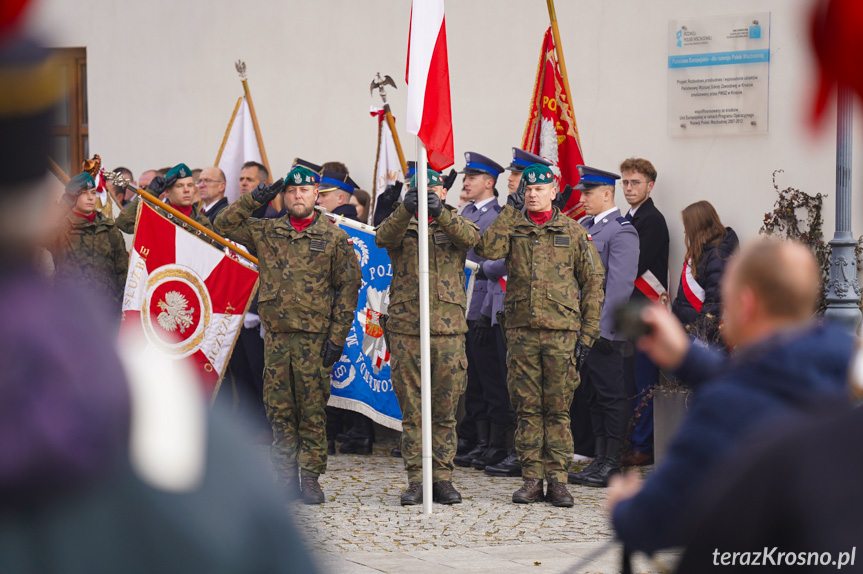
(551, 131)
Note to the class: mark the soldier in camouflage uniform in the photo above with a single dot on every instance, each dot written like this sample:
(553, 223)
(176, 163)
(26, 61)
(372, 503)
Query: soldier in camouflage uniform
(450, 237)
(179, 187)
(87, 248)
(309, 286)
(552, 309)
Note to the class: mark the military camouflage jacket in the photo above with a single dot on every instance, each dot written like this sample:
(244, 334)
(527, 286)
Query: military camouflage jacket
(310, 279)
(450, 237)
(127, 217)
(554, 274)
(92, 254)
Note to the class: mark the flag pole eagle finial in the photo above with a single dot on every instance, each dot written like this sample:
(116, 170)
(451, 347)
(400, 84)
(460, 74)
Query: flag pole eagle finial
(379, 83)
(241, 69)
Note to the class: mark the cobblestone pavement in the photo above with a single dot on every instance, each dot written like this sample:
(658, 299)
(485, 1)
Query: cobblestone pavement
(362, 527)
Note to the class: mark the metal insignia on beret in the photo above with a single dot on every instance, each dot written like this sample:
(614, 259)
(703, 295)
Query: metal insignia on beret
(298, 177)
(531, 177)
(183, 172)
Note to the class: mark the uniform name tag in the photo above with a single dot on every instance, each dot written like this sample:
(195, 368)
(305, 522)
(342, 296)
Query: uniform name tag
(561, 240)
(441, 239)
(318, 245)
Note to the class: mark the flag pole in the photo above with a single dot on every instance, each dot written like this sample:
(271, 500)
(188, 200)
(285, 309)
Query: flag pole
(425, 320)
(228, 131)
(241, 69)
(392, 123)
(58, 171)
(558, 48)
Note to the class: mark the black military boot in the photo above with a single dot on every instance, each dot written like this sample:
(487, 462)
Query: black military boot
(558, 495)
(530, 492)
(413, 494)
(479, 449)
(464, 446)
(331, 446)
(396, 452)
(364, 436)
(610, 465)
(445, 493)
(579, 477)
(496, 450)
(311, 490)
(510, 466)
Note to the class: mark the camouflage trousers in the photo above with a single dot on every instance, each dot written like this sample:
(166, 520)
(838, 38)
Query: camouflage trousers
(296, 390)
(542, 378)
(448, 380)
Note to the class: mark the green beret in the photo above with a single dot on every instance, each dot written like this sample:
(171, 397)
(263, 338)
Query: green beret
(434, 179)
(301, 175)
(537, 174)
(80, 183)
(179, 171)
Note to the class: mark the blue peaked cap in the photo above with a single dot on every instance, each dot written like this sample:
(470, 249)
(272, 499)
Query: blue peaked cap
(522, 159)
(477, 163)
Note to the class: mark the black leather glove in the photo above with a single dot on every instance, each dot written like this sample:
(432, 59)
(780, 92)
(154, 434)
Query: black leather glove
(516, 198)
(450, 179)
(435, 204)
(581, 352)
(480, 274)
(561, 198)
(482, 330)
(385, 202)
(265, 193)
(603, 345)
(411, 200)
(159, 184)
(331, 353)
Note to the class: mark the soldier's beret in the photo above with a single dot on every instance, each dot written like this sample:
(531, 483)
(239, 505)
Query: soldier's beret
(179, 171)
(537, 174)
(301, 175)
(79, 183)
(435, 179)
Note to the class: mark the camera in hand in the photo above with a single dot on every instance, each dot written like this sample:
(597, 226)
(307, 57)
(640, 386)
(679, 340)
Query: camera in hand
(628, 322)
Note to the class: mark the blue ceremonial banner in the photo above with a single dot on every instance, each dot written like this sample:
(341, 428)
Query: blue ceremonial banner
(361, 378)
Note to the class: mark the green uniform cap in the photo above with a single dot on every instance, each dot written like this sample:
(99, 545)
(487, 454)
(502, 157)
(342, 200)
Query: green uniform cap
(179, 171)
(537, 174)
(434, 179)
(301, 175)
(81, 182)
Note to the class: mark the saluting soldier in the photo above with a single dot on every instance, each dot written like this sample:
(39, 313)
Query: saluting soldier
(179, 188)
(551, 317)
(449, 237)
(87, 248)
(309, 286)
(617, 242)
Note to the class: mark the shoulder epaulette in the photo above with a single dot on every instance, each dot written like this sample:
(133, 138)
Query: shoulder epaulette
(623, 221)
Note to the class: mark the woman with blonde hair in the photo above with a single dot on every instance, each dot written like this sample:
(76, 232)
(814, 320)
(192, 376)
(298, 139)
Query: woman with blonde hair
(709, 244)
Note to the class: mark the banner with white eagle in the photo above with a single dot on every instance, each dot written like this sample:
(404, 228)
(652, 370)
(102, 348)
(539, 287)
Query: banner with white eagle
(184, 297)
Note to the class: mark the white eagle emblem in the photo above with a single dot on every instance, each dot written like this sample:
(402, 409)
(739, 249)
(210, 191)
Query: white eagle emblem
(176, 313)
(531, 177)
(298, 177)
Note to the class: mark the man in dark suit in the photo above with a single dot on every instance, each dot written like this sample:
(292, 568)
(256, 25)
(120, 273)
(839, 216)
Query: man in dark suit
(486, 397)
(211, 185)
(651, 284)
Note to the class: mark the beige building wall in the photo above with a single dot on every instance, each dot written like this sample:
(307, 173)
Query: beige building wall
(162, 86)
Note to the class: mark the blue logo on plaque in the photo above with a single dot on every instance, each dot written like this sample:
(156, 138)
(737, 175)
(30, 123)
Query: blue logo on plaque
(680, 38)
(754, 32)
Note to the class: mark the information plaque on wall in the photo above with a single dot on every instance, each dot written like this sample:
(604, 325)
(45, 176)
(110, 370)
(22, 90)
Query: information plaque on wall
(718, 75)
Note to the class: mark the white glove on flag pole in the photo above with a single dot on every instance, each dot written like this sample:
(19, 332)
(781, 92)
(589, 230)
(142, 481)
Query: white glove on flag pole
(429, 118)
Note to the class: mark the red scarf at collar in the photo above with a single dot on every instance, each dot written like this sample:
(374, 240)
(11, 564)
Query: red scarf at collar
(89, 218)
(540, 217)
(300, 224)
(187, 211)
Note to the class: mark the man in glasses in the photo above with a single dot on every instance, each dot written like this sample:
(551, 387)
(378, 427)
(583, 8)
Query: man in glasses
(211, 186)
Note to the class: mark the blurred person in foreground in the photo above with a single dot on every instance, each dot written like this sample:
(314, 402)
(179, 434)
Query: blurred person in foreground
(71, 498)
(784, 362)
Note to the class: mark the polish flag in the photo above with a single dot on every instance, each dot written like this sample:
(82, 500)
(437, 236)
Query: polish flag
(429, 114)
(184, 297)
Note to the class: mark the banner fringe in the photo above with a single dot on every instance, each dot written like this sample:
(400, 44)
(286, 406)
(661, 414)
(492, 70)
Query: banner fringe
(362, 408)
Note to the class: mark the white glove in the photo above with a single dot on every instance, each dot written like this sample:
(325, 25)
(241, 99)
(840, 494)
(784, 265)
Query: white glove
(250, 321)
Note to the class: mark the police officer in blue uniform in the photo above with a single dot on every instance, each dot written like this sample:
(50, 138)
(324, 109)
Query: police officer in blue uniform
(486, 398)
(495, 271)
(617, 242)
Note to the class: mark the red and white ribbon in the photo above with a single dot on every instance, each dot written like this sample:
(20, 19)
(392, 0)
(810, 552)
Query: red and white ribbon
(691, 289)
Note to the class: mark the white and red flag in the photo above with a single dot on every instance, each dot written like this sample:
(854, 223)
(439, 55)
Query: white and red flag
(239, 146)
(184, 297)
(429, 114)
(551, 131)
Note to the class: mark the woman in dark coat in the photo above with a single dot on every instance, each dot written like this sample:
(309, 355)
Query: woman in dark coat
(709, 244)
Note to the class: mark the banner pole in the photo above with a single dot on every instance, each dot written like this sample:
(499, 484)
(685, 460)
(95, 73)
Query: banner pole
(558, 48)
(228, 131)
(58, 171)
(122, 182)
(425, 320)
(392, 123)
(264, 159)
